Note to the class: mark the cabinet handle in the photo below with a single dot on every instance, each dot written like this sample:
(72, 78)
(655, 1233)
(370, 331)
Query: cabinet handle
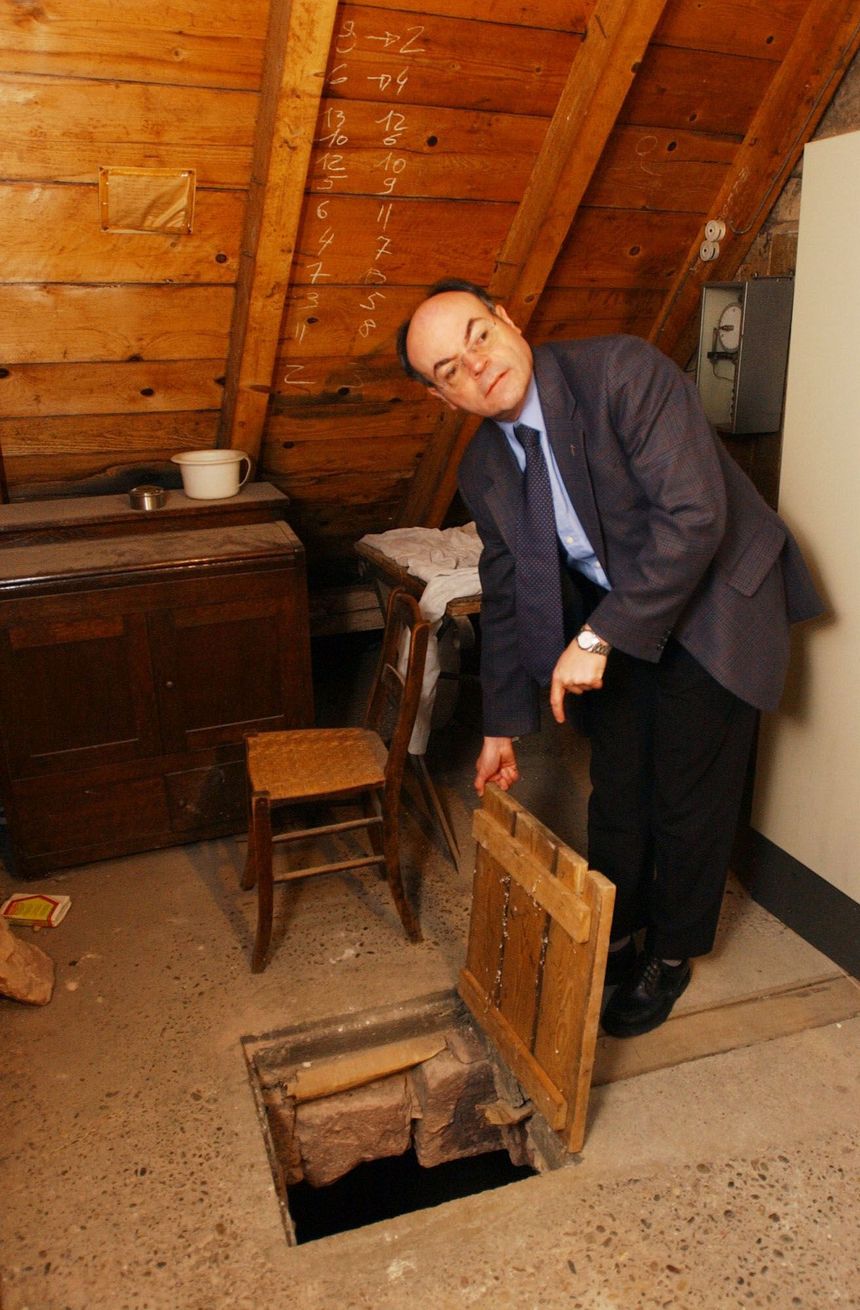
(168, 683)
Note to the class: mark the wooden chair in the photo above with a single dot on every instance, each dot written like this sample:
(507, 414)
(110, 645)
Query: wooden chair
(361, 766)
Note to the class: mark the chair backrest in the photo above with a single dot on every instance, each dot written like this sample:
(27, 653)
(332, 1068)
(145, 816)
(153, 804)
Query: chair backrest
(395, 695)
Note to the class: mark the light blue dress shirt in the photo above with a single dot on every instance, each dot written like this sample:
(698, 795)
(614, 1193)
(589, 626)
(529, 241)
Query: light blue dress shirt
(571, 534)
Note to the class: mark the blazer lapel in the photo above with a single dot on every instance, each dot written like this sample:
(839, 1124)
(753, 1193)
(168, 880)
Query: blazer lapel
(568, 438)
(504, 480)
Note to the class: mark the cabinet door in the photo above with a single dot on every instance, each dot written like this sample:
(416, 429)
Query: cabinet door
(75, 693)
(230, 668)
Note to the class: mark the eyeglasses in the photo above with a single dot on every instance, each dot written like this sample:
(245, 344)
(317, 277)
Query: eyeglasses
(453, 372)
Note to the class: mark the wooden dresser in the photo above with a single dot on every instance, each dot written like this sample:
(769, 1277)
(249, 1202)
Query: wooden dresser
(136, 649)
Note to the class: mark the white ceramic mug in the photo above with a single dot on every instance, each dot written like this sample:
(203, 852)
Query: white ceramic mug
(212, 474)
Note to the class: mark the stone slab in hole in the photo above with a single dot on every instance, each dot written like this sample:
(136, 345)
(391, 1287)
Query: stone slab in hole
(26, 972)
(451, 1125)
(336, 1133)
(466, 1043)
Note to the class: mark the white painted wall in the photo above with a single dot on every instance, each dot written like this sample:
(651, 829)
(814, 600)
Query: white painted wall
(808, 783)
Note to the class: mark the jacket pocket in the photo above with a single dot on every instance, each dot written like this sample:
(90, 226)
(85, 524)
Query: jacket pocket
(755, 558)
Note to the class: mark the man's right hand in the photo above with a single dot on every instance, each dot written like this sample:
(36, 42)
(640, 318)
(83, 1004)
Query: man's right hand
(496, 763)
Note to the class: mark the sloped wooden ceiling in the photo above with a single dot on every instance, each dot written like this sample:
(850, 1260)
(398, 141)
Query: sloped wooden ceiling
(567, 153)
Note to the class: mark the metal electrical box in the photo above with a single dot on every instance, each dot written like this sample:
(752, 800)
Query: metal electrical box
(743, 353)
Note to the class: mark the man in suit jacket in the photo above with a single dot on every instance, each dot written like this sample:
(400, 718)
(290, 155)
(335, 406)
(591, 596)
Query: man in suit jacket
(676, 585)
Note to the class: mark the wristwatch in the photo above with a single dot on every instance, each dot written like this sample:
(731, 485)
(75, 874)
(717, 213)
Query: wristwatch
(588, 640)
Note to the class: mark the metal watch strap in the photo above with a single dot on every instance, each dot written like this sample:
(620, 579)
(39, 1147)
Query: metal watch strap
(596, 647)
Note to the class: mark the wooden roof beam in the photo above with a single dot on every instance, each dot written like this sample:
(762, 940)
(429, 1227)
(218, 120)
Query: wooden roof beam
(600, 77)
(825, 42)
(297, 49)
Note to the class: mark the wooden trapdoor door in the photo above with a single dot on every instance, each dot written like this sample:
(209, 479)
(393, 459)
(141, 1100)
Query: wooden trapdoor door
(536, 958)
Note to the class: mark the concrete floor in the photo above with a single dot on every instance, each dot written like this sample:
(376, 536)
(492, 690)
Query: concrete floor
(134, 1172)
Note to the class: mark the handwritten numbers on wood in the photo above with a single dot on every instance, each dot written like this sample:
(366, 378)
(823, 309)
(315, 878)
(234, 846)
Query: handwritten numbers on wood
(346, 41)
(394, 124)
(355, 48)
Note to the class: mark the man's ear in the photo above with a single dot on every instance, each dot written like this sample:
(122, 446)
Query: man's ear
(444, 399)
(503, 314)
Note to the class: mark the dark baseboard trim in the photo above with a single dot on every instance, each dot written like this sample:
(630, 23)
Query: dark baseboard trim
(803, 900)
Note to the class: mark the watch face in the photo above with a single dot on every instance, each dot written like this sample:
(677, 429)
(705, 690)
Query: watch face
(590, 641)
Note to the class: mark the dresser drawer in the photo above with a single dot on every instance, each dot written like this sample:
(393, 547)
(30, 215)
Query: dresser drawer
(61, 816)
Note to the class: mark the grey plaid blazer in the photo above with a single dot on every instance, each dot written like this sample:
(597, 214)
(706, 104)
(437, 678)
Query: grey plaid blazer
(689, 546)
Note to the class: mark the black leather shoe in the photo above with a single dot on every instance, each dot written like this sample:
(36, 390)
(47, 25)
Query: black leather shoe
(645, 999)
(620, 963)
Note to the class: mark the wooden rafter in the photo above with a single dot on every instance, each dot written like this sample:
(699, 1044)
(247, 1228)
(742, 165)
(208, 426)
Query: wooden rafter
(297, 47)
(826, 41)
(600, 77)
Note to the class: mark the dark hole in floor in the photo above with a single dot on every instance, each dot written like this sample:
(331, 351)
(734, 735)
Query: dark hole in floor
(383, 1189)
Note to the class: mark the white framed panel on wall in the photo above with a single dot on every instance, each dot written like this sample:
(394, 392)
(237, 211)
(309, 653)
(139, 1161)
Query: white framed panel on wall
(807, 799)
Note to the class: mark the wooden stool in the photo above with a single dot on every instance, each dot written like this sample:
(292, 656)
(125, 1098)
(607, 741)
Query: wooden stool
(341, 765)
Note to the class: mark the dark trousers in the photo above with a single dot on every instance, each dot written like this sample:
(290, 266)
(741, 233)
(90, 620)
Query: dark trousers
(669, 753)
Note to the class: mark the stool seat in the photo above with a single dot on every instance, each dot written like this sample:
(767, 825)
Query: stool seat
(315, 763)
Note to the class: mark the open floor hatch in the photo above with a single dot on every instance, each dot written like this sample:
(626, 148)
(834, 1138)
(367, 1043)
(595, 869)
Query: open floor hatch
(510, 1074)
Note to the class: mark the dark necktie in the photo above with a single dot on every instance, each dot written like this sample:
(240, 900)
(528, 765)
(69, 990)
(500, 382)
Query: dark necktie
(540, 625)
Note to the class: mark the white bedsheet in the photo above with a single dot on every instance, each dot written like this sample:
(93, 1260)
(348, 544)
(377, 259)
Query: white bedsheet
(447, 560)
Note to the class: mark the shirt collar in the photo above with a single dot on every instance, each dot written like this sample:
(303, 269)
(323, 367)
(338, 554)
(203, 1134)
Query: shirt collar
(531, 414)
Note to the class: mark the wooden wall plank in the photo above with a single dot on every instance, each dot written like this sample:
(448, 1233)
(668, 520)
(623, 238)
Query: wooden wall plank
(347, 422)
(432, 151)
(72, 472)
(326, 515)
(56, 321)
(825, 43)
(755, 27)
(335, 497)
(95, 455)
(325, 321)
(369, 242)
(61, 438)
(52, 233)
(369, 455)
(430, 60)
(624, 248)
(317, 380)
(55, 129)
(297, 43)
(561, 15)
(110, 473)
(34, 389)
(655, 168)
(697, 89)
(599, 310)
(207, 43)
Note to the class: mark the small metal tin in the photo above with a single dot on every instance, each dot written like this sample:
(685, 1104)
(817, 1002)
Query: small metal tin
(147, 497)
